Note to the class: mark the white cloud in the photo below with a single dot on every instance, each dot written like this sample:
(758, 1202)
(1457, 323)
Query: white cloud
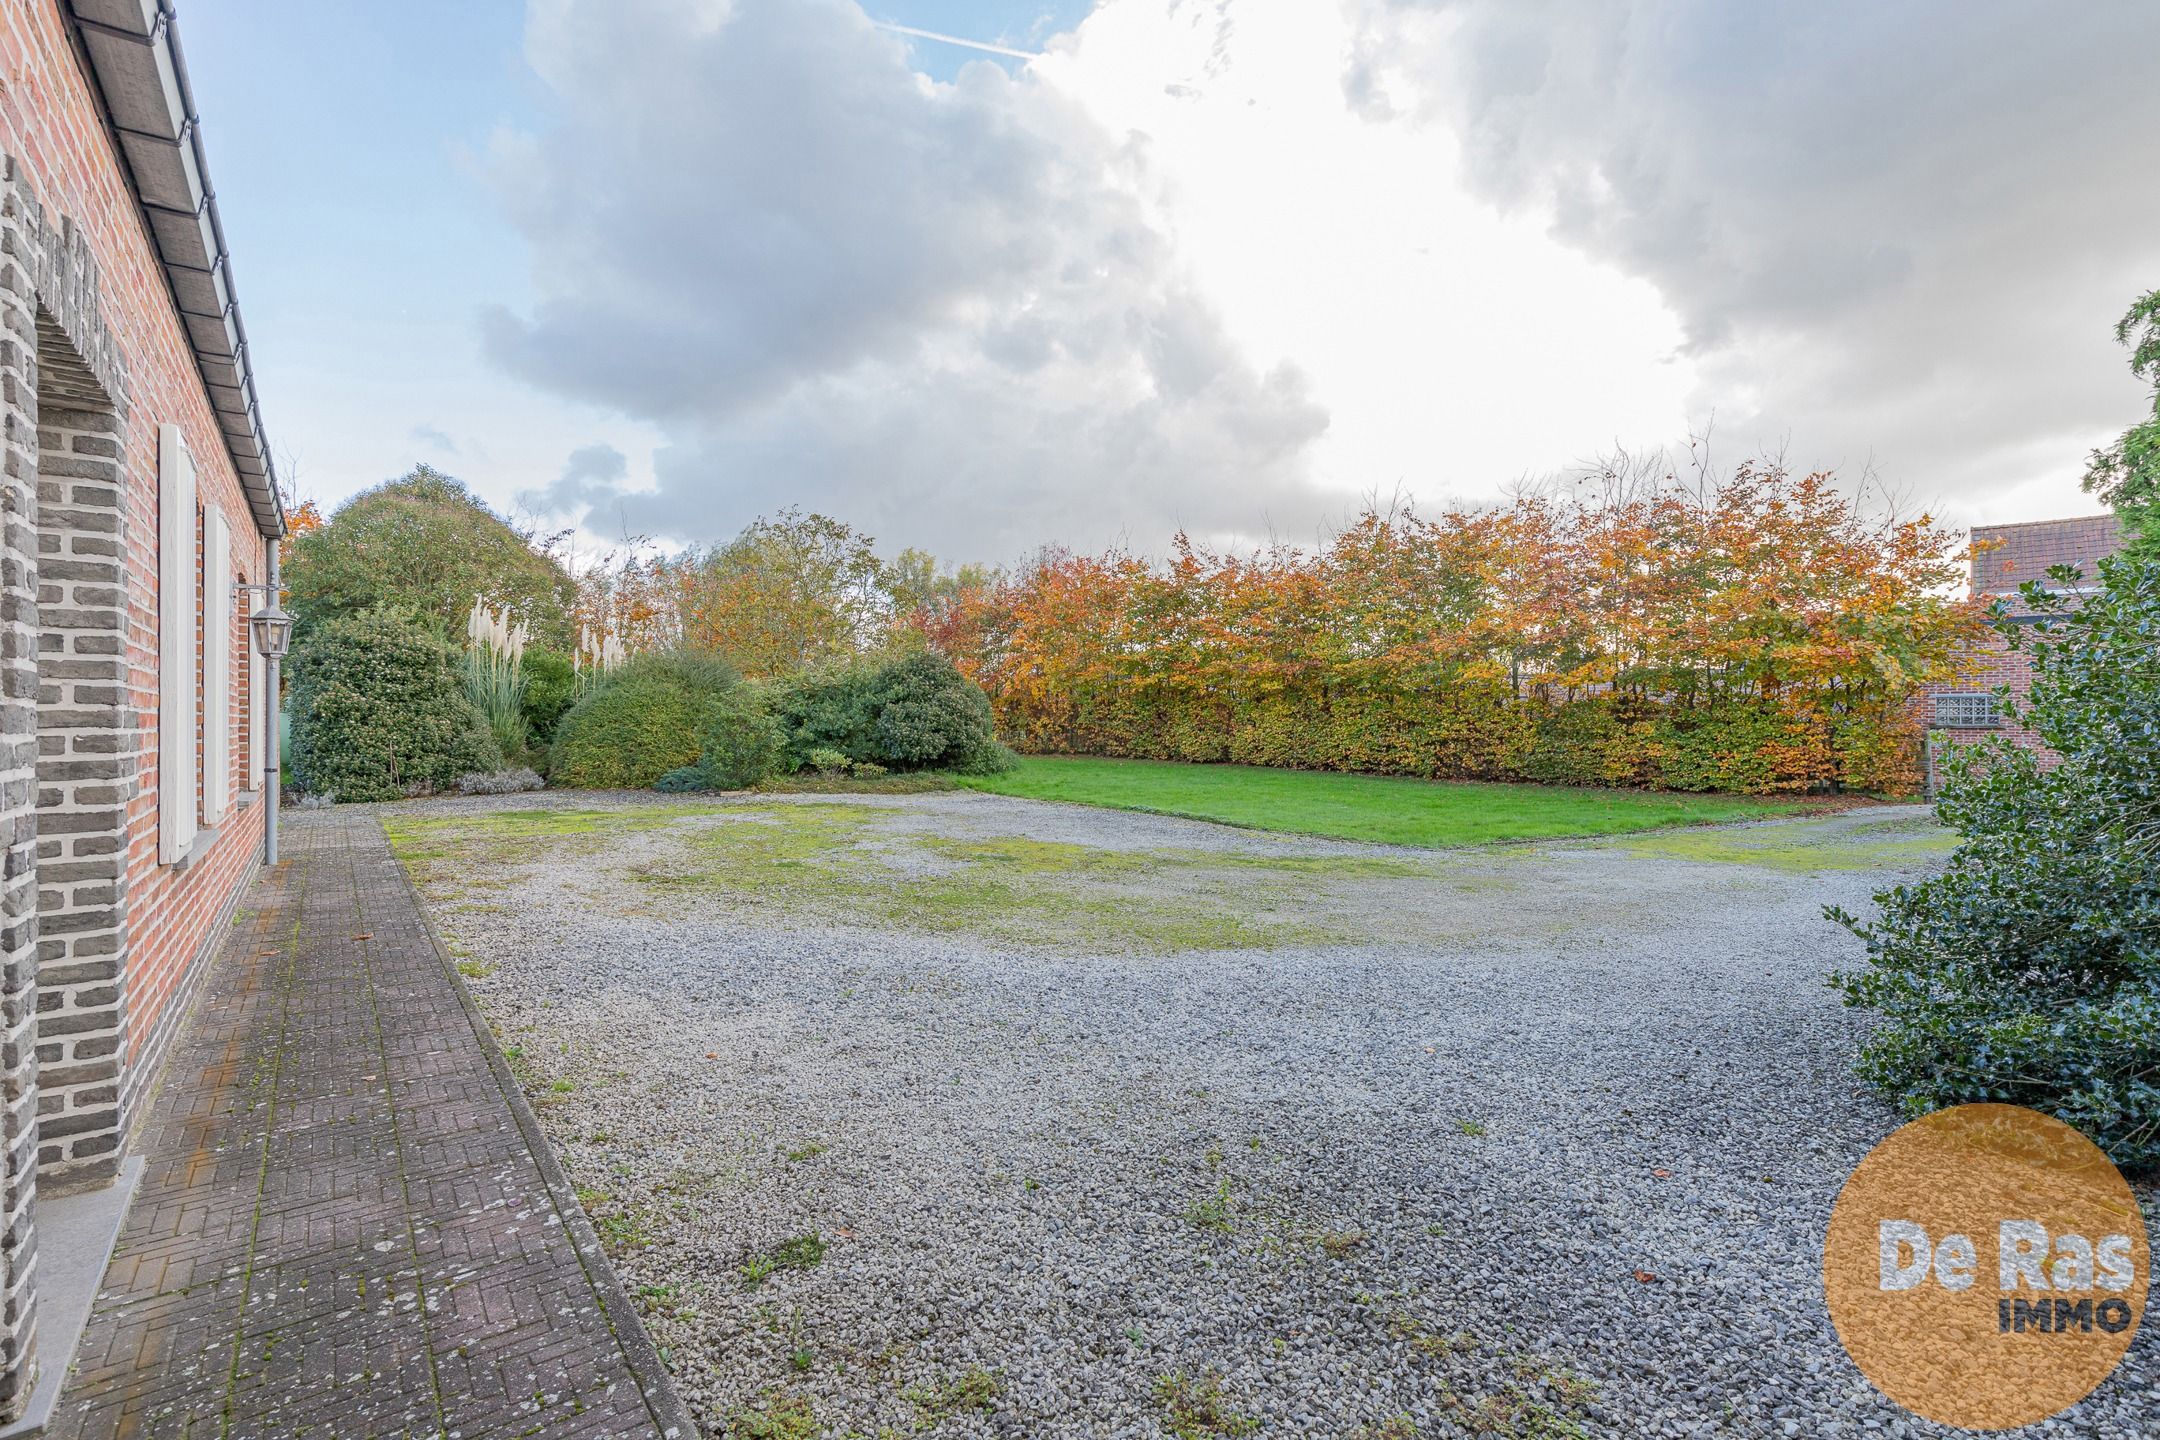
(1227, 264)
(1891, 231)
(941, 311)
(1455, 348)
(1162, 276)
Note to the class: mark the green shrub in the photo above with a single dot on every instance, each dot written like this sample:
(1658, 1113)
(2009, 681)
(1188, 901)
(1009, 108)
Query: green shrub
(379, 712)
(931, 717)
(1457, 729)
(742, 743)
(2029, 971)
(831, 708)
(550, 690)
(1880, 749)
(1576, 744)
(683, 780)
(914, 713)
(645, 719)
(1743, 748)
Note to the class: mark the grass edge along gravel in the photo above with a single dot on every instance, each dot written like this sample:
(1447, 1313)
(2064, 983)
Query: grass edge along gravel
(1374, 809)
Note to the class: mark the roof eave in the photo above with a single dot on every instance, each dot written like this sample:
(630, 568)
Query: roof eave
(135, 59)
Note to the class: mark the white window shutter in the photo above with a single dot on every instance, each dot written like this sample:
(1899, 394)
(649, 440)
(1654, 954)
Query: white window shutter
(176, 646)
(217, 666)
(258, 707)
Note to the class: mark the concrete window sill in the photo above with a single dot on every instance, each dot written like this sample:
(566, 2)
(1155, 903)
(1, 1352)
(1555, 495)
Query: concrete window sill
(204, 840)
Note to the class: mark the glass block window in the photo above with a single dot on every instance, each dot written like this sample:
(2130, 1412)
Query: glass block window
(1971, 711)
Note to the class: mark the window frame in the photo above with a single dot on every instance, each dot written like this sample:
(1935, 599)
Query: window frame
(1965, 710)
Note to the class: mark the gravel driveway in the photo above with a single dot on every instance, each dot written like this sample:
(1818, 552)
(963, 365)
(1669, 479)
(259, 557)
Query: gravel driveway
(957, 1113)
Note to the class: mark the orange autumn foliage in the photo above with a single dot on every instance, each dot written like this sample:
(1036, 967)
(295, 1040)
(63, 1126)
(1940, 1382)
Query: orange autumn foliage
(632, 594)
(299, 520)
(1754, 633)
(790, 592)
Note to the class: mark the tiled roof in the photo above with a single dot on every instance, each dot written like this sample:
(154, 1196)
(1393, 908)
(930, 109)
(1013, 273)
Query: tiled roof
(2006, 556)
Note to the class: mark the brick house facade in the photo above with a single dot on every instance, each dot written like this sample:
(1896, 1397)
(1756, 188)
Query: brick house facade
(2004, 558)
(137, 498)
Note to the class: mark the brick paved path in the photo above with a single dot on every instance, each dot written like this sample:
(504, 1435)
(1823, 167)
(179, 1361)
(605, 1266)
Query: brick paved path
(350, 1225)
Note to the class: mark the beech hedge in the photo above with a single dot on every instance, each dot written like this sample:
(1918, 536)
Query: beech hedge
(1471, 731)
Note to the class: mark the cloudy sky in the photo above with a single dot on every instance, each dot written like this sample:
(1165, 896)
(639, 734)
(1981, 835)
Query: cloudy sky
(1112, 269)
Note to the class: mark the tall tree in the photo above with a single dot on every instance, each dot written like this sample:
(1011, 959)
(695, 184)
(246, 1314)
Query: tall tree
(790, 592)
(2127, 474)
(425, 543)
(917, 583)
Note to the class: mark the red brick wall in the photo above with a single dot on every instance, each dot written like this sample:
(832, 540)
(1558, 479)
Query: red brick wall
(2004, 557)
(1995, 668)
(52, 127)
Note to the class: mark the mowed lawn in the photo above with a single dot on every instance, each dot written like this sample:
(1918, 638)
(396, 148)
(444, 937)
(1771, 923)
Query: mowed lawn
(1382, 809)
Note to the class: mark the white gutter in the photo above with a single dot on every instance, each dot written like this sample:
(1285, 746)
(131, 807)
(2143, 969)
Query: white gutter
(135, 60)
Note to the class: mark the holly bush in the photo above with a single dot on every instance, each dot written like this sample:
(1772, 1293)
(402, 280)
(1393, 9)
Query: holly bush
(2029, 970)
(379, 711)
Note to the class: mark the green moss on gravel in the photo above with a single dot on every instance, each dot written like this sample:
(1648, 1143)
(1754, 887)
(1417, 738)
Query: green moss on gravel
(877, 865)
(938, 1400)
(534, 823)
(782, 1416)
(1196, 1407)
(861, 864)
(1805, 846)
(840, 862)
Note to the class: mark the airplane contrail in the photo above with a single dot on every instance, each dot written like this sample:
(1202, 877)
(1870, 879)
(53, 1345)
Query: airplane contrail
(982, 45)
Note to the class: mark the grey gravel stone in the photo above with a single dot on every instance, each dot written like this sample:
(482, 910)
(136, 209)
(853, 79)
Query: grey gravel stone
(1590, 1114)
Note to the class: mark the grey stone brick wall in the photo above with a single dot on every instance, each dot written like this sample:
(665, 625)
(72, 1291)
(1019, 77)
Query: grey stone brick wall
(55, 349)
(86, 774)
(18, 779)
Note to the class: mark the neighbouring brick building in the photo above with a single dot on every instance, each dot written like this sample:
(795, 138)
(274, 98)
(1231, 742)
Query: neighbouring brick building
(137, 498)
(2004, 559)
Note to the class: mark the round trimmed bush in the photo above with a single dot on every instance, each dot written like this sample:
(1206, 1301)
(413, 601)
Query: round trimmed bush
(379, 712)
(929, 715)
(644, 720)
(914, 713)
